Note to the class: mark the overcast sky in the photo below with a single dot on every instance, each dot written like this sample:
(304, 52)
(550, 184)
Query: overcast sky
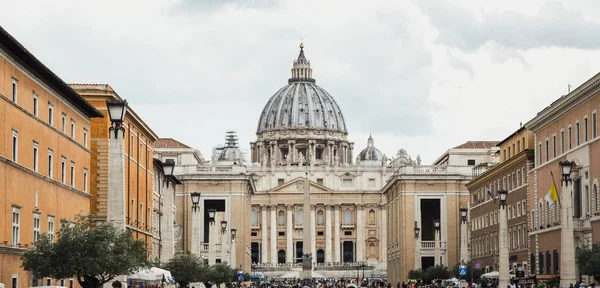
(423, 75)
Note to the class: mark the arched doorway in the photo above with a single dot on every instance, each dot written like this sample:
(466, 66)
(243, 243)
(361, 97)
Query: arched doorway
(320, 256)
(281, 257)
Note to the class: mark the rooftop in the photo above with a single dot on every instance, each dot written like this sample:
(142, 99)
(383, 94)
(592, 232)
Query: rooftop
(476, 145)
(170, 143)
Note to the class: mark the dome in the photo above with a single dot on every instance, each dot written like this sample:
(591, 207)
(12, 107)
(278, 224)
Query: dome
(231, 152)
(301, 104)
(370, 154)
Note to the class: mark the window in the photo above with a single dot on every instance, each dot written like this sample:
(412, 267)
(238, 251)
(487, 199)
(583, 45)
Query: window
(540, 154)
(50, 114)
(570, 135)
(63, 170)
(547, 151)
(585, 129)
(348, 233)
(320, 217)
(14, 89)
(15, 281)
(562, 142)
(553, 146)
(63, 126)
(72, 174)
(594, 125)
(35, 104)
(347, 216)
(281, 233)
(320, 233)
(85, 174)
(320, 181)
(15, 146)
(50, 163)
(35, 156)
(518, 209)
(51, 228)
(253, 218)
(16, 225)
(36, 226)
(72, 129)
(347, 182)
(48, 282)
(85, 133)
(281, 216)
(280, 181)
(371, 182)
(471, 162)
(299, 216)
(577, 134)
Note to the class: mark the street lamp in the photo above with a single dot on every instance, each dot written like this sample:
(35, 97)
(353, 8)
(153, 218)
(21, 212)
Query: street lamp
(503, 261)
(116, 112)
(168, 167)
(503, 195)
(417, 230)
(565, 168)
(195, 201)
(233, 233)
(211, 215)
(436, 225)
(223, 226)
(463, 214)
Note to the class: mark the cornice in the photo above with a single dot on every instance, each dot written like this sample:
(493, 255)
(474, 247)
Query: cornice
(565, 103)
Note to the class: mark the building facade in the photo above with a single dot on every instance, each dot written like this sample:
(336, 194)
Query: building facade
(45, 157)
(139, 155)
(418, 195)
(516, 158)
(565, 130)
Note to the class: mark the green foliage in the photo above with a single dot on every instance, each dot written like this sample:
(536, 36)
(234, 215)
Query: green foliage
(588, 260)
(186, 268)
(418, 274)
(92, 253)
(438, 272)
(476, 273)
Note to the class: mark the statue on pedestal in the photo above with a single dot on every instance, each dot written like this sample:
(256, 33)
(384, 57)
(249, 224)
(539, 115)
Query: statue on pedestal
(419, 160)
(337, 160)
(300, 159)
(272, 160)
(287, 159)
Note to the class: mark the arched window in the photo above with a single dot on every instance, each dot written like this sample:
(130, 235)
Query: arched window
(299, 216)
(372, 251)
(371, 216)
(547, 213)
(540, 214)
(320, 217)
(347, 216)
(254, 217)
(281, 218)
(595, 198)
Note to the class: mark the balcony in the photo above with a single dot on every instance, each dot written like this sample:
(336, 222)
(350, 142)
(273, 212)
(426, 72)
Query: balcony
(347, 226)
(582, 225)
(431, 245)
(255, 226)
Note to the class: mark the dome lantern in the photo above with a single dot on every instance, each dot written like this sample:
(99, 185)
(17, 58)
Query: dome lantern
(301, 71)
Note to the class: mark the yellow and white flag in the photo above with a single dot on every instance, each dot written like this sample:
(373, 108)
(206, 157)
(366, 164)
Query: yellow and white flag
(552, 195)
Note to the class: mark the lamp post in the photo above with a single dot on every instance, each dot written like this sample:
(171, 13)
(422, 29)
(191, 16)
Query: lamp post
(117, 203)
(417, 247)
(211, 215)
(223, 226)
(168, 167)
(195, 245)
(503, 277)
(567, 251)
(464, 252)
(436, 226)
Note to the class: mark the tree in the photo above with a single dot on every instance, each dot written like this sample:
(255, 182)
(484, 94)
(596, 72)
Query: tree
(476, 273)
(588, 261)
(92, 253)
(418, 274)
(186, 268)
(221, 273)
(438, 272)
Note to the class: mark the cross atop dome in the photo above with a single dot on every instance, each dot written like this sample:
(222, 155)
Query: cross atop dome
(301, 71)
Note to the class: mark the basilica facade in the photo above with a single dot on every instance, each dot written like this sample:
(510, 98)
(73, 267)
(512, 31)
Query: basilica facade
(301, 138)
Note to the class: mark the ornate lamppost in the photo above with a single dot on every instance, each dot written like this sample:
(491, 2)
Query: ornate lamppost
(503, 262)
(436, 226)
(567, 250)
(195, 245)
(117, 203)
(417, 247)
(464, 252)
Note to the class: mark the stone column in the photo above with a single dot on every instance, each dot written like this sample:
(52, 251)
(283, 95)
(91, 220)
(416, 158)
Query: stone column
(264, 226)
(503, 262)
(383, 242)
(289, 236)
(464, 250)
(225, 241)
(195, 239)
(117, 209)
(360, 236)
(567, 243)
(212, 240)
(336, 234)
(437, 248)
(233, 254)
(327, 233)
(273, 233)
(166, 226)
(313, 239)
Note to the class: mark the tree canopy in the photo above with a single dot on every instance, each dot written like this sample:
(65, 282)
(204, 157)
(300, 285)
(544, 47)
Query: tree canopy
(187, 268)
(92, 253)
(588, 261)
(438, 272)
(476, 273)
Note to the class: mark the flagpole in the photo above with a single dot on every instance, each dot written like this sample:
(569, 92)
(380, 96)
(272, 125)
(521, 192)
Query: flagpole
(554, 183)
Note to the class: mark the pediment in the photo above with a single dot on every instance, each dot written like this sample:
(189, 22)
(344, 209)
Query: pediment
(297, 186)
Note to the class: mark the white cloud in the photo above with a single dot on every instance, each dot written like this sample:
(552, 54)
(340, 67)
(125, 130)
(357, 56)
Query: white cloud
(424, 76)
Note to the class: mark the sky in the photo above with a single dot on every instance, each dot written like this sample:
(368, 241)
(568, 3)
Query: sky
(423, 75)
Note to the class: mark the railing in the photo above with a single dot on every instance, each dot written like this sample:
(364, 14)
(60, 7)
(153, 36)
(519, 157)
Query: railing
(581, 224)
(431, 245)
(205, 247)
(347, 226)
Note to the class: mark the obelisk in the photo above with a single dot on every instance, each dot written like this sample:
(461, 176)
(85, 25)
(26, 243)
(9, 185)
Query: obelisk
(306, 232)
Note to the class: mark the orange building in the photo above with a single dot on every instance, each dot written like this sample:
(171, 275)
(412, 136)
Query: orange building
(44, 157)
(139, 152)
